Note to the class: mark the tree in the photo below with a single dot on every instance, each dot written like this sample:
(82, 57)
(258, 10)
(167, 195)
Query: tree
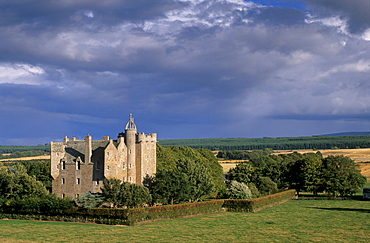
(188, 181)
(306, 175)
(238, 190)
(111, 191)
(90, 200)
(341, 176)
(16, 184)
(265, 185)
(40, 169)
(124, 194)
(243, 172)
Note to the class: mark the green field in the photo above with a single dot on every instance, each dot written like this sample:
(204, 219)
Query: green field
(295, 221)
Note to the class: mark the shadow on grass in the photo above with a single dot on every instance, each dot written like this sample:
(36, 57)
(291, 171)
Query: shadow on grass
(361, 210)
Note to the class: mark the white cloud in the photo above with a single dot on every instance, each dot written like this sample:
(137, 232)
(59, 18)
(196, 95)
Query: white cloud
(21, 73)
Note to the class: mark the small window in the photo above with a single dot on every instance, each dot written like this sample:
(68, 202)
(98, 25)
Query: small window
(63, 165)
(129, 166)
(129, 179)
(63, 195)
(78, 165)
(78, 181)
(63, 181)
(97, 181)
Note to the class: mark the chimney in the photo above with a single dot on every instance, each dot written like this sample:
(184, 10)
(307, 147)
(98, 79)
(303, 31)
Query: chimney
(88, 149)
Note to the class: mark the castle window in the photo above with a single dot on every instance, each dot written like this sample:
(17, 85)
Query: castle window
(63, 181)
(78, 181)
(129, 179)
(123, 165)
(63, 165)
(107, 154)
(78, 165)
(63, 195)
(97, 181)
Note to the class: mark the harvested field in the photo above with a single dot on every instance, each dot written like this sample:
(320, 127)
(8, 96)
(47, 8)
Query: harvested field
(27, 158)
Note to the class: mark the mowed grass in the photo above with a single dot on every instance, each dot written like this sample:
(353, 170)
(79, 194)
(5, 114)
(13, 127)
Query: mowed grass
(294, 221)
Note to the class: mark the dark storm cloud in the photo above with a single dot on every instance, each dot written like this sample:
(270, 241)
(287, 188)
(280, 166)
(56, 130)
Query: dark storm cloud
(356, 11)
(183, 68)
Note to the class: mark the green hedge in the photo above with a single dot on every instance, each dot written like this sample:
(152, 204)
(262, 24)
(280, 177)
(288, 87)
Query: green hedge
(114, 216)
(173, 211)
(254, 205)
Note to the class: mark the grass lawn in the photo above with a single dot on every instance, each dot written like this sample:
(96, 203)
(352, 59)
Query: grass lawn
(295, 221)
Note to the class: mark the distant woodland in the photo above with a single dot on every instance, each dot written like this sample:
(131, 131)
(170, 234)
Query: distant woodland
(279, 143)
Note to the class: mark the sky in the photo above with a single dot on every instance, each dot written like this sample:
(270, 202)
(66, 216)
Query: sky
(183, 68)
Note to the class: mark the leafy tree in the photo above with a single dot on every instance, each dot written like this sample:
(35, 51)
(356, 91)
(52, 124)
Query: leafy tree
(16, 184)
(341, 176)
(265, 186)
(306, 175)
(40, 169)
(167, 158)
(111, 191)
(243, 172)
(188, 181)
(134, 195)
(238, 190)
(124, 194)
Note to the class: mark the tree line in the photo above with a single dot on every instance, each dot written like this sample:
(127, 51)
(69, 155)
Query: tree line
(7, 149)
(279, 143)
(335, 175)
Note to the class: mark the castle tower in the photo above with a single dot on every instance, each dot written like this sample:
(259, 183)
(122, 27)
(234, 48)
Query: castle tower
(130, 138)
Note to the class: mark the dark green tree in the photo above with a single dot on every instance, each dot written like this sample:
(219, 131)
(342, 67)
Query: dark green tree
(188, 181)
(111, 191)
(265, 185)
(243, 172)
(124, 194)
(306, 175)
(341, 176)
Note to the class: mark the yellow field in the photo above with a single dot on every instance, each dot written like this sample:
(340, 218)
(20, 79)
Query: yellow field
(358, 155)
(27, 158)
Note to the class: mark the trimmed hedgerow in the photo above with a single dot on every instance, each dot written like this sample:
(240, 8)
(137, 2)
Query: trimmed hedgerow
(113, 216)
(254, 205)
(173, 211)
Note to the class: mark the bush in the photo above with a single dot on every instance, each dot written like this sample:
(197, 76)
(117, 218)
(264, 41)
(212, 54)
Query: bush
(238, 190)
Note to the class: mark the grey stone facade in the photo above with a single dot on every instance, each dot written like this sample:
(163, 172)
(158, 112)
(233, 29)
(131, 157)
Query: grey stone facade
(79, 166)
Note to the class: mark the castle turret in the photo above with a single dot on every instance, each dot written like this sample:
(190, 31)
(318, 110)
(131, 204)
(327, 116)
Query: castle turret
(130, 137)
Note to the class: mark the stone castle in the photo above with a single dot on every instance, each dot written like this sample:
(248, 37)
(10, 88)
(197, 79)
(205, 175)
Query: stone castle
(79, 166)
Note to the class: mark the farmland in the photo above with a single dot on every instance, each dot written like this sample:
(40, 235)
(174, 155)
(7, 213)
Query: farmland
(294, 221)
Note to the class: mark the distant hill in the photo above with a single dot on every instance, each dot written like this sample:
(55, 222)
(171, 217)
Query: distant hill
(346, 134)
